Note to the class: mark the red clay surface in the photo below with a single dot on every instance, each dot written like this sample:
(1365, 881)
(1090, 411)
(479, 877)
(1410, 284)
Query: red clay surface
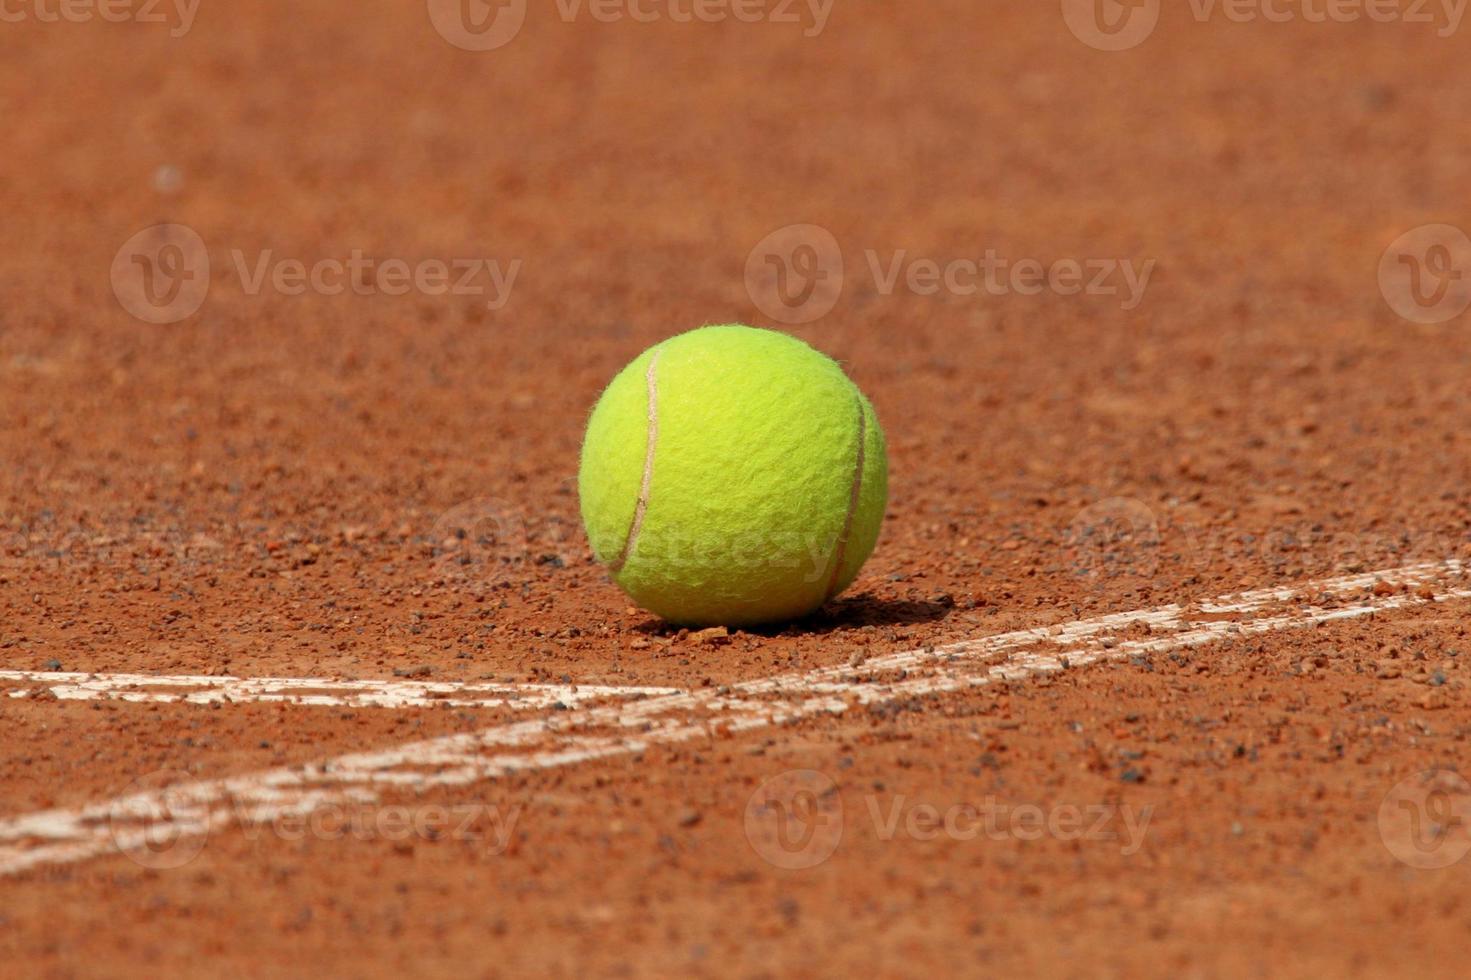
(273, 485)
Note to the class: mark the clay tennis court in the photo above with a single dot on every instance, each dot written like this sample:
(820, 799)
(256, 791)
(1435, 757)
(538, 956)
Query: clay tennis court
(1159, 667)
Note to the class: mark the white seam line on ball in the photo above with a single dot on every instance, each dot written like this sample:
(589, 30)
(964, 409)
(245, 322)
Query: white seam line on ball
(854, 493)
(564, 738)
(641, 506)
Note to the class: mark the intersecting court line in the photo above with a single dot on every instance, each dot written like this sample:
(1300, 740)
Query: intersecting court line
(191, 810)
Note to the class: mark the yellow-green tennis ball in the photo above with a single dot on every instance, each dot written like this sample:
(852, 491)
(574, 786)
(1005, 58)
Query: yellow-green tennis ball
(732, 476)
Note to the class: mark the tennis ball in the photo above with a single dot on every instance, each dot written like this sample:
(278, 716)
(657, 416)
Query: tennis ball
(732, 476)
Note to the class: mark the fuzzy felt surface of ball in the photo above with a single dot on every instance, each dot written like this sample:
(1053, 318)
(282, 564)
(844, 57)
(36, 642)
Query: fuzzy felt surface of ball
(732, 476)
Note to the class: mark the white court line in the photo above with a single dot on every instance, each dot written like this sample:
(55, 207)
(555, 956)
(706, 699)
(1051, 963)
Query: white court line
(189, 811)
(311, 691)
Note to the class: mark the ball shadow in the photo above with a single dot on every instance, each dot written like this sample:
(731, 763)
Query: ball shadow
(855, 612)
(859, 611)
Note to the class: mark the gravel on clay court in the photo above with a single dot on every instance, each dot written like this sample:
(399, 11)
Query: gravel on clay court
(1160, 665)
